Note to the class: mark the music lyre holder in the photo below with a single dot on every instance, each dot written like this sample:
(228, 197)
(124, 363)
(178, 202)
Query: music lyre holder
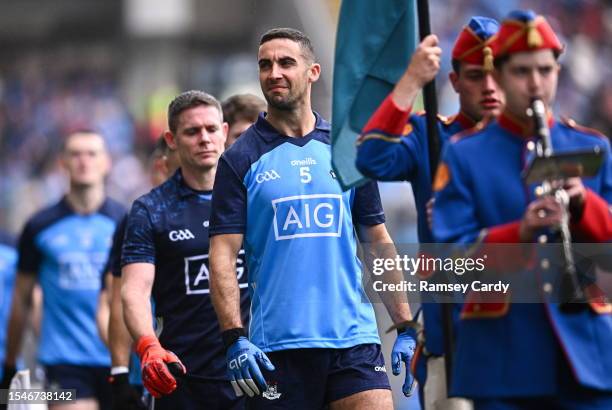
(551, 170)
(584, 164)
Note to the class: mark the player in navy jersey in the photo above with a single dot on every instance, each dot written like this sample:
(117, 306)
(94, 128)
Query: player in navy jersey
(125, 377)
(275, 189)
(64, 248)
(165, 254)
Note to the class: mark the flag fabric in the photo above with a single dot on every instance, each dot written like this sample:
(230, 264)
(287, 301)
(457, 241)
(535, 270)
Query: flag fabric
(374, 42)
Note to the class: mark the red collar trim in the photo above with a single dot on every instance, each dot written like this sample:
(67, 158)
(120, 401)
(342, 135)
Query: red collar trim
(465, 121)
(518, 127)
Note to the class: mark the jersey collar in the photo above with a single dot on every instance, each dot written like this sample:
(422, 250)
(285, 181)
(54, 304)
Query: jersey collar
(269, 133)
(70, 210)
(183, 189)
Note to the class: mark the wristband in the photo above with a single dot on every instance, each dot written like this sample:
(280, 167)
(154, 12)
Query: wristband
(115, 370)
(230, 336)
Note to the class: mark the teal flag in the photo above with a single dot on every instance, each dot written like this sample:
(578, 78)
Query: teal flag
(374, 42)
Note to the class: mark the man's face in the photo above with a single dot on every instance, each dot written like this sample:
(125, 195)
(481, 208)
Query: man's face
(527, 75)
(235, 130)
(85, 159)
(285, 74)
(479, 95)
(200, 137)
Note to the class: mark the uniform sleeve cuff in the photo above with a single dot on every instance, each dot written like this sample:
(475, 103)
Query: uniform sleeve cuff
(388, 119)
(507, 233)
(596, 221)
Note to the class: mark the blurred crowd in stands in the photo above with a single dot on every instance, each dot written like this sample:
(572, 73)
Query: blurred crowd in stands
(42, 97)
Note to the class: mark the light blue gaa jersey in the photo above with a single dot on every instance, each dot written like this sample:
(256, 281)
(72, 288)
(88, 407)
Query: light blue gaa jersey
(67, 252)
(304, 275)
(8, 263)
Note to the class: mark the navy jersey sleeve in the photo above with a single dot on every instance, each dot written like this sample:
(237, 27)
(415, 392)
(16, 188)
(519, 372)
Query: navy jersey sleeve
(139, 242)
(367, 208)
(30, 255)
(228, 201)
(113, 264)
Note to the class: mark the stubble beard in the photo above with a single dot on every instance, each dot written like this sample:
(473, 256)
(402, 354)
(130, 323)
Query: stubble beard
(287, 104)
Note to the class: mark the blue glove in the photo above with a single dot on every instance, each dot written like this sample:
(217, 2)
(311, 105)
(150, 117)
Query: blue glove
(243, 360)
(403, 350)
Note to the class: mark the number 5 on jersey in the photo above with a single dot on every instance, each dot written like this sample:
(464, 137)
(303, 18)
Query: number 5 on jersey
(305, 175)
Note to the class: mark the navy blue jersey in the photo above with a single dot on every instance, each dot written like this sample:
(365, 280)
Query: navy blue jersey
(113, 264)
(8, 265)
(168, 227)
(67, 251)
(301, 248)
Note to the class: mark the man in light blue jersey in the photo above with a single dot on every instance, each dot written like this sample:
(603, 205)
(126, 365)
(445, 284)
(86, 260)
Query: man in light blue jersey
(64, 248)
(275, 189)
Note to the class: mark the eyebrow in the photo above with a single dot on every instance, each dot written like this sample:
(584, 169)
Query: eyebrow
(281, 58)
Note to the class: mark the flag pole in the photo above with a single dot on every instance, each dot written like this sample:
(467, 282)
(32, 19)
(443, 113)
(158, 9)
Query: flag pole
(433, 141)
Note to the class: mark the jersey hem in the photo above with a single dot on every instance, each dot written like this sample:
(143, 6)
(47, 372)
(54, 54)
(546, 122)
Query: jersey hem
(320, 343)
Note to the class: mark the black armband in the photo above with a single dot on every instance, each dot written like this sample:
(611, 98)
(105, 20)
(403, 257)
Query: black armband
(231, 335)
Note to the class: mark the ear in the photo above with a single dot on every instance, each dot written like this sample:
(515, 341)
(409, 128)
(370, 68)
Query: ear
(225, 129)
(170, 139)
(454, 79)
(314, 72)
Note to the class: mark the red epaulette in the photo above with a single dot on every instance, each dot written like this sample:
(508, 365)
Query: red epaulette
(442, 118)
(469, 131)
(446, 120)
(572, 124)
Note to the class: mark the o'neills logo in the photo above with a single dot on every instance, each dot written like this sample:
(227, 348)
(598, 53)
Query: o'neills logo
(303, 162)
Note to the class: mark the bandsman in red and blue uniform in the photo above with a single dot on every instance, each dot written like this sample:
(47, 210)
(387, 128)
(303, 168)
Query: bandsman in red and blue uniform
(393, 145)
(526, 355)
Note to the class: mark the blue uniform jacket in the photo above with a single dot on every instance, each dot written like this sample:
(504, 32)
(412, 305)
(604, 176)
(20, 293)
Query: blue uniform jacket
(504, 349)
(394, 147)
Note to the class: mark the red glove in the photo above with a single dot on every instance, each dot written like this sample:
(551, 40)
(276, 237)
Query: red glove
(155, 374)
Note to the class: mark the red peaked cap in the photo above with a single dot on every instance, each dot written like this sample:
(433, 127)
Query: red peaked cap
(471, 44)
(524, 31)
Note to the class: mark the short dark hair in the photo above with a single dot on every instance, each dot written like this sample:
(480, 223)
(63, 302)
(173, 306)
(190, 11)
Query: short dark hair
(293, 35)
(242, 107)
(189, 99)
